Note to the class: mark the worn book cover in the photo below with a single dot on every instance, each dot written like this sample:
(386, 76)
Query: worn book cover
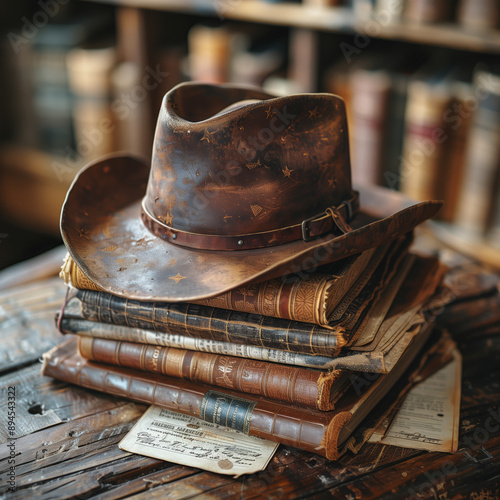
(310, 296)
(315, 388)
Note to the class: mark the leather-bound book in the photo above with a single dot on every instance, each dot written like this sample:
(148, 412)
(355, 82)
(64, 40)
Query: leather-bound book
(370, 99)
(391, 326)
(81, 326)
(482, 162)
(315, 388)
(320, 432)
(424, 159)
(319, 296)
(194, 320)
(310, 297)
(427, 11)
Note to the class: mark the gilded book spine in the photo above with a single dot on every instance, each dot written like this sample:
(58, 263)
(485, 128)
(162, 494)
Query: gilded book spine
(296, 299)
(78, 326)
(308, 297)
(194, 320)
(310, 430)
(284, 383)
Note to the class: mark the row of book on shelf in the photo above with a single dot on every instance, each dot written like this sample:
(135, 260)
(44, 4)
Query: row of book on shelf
(469, 14)
(74, 96)
(428, 127)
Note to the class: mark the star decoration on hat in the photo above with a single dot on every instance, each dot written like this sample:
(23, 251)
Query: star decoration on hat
(83, 233)
(206, 136)
(286, 171)
(169, 219)
(178, 277)
(313, 113)
(269, 112)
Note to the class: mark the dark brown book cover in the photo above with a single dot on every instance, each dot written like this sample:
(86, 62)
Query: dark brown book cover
(315, 388)
(194, 320)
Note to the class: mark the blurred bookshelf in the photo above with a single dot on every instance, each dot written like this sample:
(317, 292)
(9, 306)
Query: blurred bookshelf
(320, 16)
(421, 81)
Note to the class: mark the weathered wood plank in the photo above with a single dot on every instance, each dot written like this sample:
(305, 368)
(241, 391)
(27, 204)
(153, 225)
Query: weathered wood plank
(146, 482)
(71, 440)
(82, 485)
(435, 475)
(41, 401)
(37, 269)
(27, 326)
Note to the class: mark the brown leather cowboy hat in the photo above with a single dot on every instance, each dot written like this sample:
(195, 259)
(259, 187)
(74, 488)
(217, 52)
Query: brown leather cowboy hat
(242, 187)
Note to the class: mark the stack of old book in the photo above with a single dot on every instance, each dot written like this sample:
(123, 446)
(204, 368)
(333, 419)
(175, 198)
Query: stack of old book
(306, 357)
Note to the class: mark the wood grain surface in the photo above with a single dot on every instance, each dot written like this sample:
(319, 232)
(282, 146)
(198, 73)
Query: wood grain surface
(66, 444)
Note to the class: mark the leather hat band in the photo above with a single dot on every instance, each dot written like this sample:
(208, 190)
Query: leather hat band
(333, 219)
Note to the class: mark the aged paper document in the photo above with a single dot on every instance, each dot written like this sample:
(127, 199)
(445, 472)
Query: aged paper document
(186, 440)
(429, 416)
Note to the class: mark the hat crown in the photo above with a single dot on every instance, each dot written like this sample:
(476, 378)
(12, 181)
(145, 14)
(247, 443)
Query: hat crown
(233, 160)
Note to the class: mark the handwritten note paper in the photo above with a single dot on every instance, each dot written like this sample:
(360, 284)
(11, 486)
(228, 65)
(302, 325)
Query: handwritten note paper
(186, 440)
(429, 416)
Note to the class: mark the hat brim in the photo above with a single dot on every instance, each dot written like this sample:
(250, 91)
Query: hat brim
(102, 229)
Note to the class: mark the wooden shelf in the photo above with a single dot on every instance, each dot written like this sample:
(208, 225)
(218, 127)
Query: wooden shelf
(475, 248)
(332, 19)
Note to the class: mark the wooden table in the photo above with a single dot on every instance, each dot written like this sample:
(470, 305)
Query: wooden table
(67, 436)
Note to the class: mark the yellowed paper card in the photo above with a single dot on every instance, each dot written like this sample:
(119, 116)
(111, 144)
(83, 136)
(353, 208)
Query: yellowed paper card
(186, 440)
(429, 416)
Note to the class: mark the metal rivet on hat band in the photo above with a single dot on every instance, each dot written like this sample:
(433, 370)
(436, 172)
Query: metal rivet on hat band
(332, 220)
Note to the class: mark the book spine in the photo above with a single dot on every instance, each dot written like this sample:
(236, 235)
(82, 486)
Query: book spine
(299, 300)
(85, 327)
(194, 320)
(424, 149)
(395, 129)
(459, 133)
(370, 92)
(89, 73)
(474, 212)
(303, 428)
(427, 11)
(478, 14)
(284, 383)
